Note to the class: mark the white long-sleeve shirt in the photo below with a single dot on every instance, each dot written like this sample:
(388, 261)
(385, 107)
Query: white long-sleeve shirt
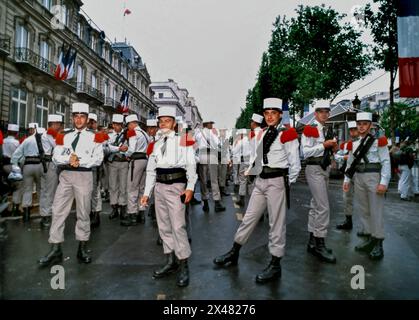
(138, 142)
(241, 148)
(10, 144)
(376, 154)
(206, 138)
(28, 148)
(48, 143)
(89, 152)
(175, 156)
(313, 146)
(282, 154)
(115, 141)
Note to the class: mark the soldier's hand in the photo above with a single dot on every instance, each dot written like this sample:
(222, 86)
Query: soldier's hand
(74, 160)
(188, 196)
(346, 157)
(123, 148)
(381, 189)
(330, 144)
(346, 186)
(144, 201)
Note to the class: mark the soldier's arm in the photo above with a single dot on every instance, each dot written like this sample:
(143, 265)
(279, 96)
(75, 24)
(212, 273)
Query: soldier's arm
(191, 169)
(384, 156)
(132, 141)
(17, 155)
(61, 155)
(310, 148)
(293, 152)
(150, 180)
(348, 165)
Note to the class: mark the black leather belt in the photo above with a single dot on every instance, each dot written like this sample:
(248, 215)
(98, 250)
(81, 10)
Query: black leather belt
(32, 160)
(119, 159)
(314, 161)
(170, 176)
(70, 168)
(269, 173)
(368, 167)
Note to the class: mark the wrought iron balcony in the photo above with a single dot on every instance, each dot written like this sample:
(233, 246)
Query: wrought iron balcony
(25, 55)
(84, 88)
(4, 44)
(109, 102)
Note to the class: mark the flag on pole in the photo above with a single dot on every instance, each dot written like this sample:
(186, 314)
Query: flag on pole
(123, 106)
(60, 66)
(408, 47)
(285, 114)
(127, 12)
(65, 66)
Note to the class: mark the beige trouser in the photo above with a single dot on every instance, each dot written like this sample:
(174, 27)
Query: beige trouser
(212, 169)
(371, 204)
(243, 179)
(268, 193)
(96, 204)
(49, 183)
(319, 214)
(348, 200)
(31, 174)
(236, 169)
(118, 174)
(170, 213)
(72, 185)
(17, 185)
(135, 187)
(222, 175)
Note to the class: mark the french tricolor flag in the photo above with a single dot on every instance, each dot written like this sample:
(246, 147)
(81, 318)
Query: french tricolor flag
(408, 47)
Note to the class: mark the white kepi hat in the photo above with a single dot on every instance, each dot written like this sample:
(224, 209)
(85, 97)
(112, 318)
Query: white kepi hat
(322, 107)
(152, 123)
(272, 103)
(93, 116)
(167, 112)
(118, 118)
(351, 124)
(79, 107)
(33, 125)
(364, 116)
(55, 118)
(257, 118)
(40, 130)
(131, 118)
(13, 127)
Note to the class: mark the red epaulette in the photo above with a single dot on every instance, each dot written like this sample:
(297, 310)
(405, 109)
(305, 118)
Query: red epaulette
(342, 146)
(186, 140)
(311, 132)
(22, 139)
(106, 136)
(251, 135)
(100, 137)
(382, 141)
(131, 133)
(59, 139)
(1, 138)
(349, 145)
(288, 135)
(52, 132)
(150, 148)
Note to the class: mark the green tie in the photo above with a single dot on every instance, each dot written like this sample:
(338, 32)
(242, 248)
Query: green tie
(75, 141)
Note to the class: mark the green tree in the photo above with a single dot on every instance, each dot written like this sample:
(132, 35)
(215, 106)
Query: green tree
(405, 118)
(383, 26)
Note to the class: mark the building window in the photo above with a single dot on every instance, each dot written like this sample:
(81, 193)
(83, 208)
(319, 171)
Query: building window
(41, 111)
(94, 81)
(64, 15)
(47, 4)
(79, 30)
(114, 94)
(22, 36)
(105, 89)
(18, 108)
(80, 74)
(93, 43)
(161, 95)
(44, 50)
(60, 110)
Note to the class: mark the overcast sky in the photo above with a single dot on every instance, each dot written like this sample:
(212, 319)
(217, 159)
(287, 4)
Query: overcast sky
(213, 48)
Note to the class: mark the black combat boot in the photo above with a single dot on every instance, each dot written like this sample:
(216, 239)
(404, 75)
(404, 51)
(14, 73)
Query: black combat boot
(223, 192)
(129, 220)
(322, 252)
(122, 212)
(367, 245)
(205, 207)
(95, 219)
(231, 257)
(312, 244)
(241, 201)
(115, 212)
(183, 275)
(377, 252)
(170, 266)
(45, 223)
(219, 207)
(345, 225)
(273, 271)
(141, 217)
(55, 255)
(82, 254)
(26, 214)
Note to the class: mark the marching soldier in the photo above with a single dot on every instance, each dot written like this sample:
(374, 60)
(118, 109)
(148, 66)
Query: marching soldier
(152, 128)
(118, 167)
(276, 164)
(171, 171)
(207, 142)
(224, 158)
(318, 145)
(369, 166)
(341, 157)
(75, 154)
(242, 152)
(10, 144)
(29, 150)
(49, 179)
(138, 142)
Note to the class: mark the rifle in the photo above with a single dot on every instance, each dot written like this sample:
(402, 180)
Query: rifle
(326, 160)
(41, 151)
(121, 142)
(360, 153)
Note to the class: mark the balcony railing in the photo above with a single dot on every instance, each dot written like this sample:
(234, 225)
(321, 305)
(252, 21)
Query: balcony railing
(83, 87)
(25, 55)
(5, 44)
(109, 102)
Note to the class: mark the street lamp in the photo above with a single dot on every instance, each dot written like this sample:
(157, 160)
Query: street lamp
(356, 103)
